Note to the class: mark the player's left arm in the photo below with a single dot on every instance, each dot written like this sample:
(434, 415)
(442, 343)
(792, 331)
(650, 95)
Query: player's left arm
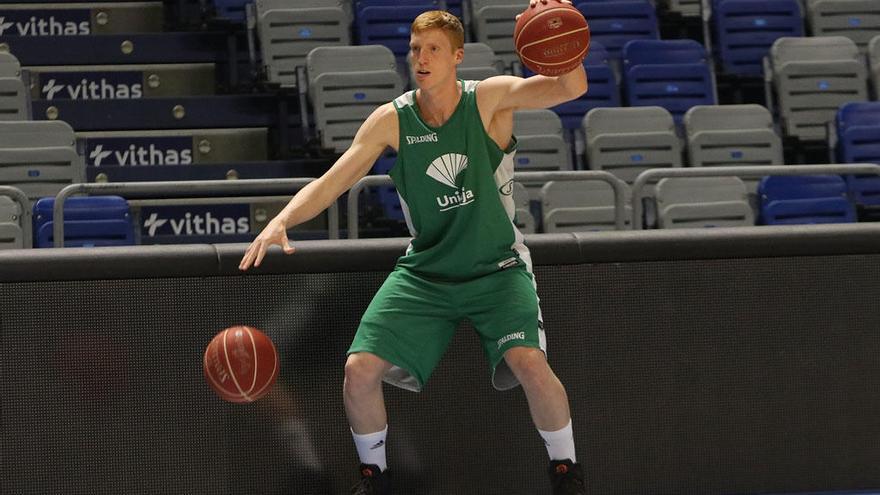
(510, 92)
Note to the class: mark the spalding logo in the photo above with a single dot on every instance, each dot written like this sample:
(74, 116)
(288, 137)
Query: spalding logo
(554, 23)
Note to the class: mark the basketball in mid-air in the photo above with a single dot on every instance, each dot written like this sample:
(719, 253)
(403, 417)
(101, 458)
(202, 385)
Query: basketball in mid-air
(551, 39)
(241, 364)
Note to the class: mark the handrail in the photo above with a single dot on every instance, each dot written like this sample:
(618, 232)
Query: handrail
(618, 185)
(187, 189)
(747, 171)
(26, 213)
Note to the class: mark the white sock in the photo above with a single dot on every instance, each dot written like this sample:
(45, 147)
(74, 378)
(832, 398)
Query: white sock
(371, 447)
(560, 443)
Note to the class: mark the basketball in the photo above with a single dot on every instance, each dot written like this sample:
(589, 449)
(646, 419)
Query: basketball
(551, 39)
(241, 364)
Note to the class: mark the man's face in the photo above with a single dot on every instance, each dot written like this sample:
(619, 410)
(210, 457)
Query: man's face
(432, 58)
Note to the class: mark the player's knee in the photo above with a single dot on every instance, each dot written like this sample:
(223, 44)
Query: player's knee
(362, 372)
(529, 365)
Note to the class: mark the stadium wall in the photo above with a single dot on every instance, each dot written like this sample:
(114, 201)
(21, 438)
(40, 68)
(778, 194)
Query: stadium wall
(696, 362)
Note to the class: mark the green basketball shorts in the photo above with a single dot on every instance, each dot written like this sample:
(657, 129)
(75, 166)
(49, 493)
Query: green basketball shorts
(411, 321)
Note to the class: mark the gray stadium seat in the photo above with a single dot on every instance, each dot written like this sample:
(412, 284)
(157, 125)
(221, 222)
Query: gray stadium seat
(14, 103)
(523, 219)
(39, 157)
(703, 202)
(11, 233)
(122, 81)
(494, 21)
(479, 63)
(579, 206)
(174, 147)
(874, 59)
(288, 31)
(84, 19)
(732, 135)
(345, 85)
(858, 20)
(686, 8)
(812, 78)
(628, 141)
(541, 144)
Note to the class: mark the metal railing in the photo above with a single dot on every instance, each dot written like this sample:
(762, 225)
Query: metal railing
(188, 189)
(25, 221)
(618, 185)
(743, 172)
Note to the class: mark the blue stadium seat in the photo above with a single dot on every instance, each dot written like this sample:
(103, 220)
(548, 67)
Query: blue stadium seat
(388, 197)
(858, 141)
(746, 29)
(88, 221)
(603, 92)
(387, 22)
(615, 22)
(787, 200)
(673, 74)
(231, 10)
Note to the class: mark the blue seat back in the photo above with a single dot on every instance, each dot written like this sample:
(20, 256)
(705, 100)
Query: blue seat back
(614, 23)
(746, 29)
(858, 141)
(804, 200)
(604, 90)
(388, 197)
(387, 22)
(673, 74)
(88, 221)
(231, 10)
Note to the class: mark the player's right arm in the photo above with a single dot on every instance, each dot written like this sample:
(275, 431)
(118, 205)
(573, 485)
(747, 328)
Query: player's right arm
(379, 131)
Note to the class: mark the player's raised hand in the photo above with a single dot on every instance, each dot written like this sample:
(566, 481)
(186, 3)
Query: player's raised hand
(534, 3)
(274, 233)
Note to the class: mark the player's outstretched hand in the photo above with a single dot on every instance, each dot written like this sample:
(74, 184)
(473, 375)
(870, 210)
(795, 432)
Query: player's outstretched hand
(534, 3)
(274, 233)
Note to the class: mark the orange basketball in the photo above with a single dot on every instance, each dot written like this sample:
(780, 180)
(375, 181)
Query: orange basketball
(552, 38)
(241, 364)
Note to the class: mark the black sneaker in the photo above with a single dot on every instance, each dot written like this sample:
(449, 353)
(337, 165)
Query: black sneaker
(373, 481)
(567, 478)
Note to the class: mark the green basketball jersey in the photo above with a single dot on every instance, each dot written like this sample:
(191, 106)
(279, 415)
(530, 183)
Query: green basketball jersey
(456, 187)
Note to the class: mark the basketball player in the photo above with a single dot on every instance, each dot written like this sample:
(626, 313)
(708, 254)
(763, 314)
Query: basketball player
(454, 174)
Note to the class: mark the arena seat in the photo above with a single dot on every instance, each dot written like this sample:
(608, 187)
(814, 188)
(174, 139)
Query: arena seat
(629, 140)
(874, 64)
(812, 199)
(14, 103)
(89, 221)
(346, 83)
(744, 31)
(673, 74)
(614, 23)
(725, 135)
(523, 218)
(288, 31)
(703, 202)
(579, 206)
(541, 145)
(493, 23)
(12, 235)
(101, 82)
(858, 20)
(811, 78)
(480, 62)
(858, 141)
(39, 158)
(387, 22)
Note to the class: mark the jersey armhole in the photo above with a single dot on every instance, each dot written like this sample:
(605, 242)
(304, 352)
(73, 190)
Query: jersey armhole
(511, 146)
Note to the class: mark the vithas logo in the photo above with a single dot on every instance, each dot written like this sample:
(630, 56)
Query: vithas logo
(134, 152)
(74, 22)
(195, 220)
(92, 86)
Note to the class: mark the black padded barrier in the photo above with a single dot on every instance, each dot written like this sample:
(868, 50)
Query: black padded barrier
(711, 361)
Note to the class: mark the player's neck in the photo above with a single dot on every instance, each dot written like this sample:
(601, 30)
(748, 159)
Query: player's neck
(437, 105)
